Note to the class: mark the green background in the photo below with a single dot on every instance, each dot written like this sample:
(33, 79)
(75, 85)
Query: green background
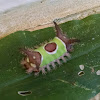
(62, 83)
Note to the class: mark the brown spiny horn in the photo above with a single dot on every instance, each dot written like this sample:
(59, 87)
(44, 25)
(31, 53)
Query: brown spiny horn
(70, 41)
(58, 30)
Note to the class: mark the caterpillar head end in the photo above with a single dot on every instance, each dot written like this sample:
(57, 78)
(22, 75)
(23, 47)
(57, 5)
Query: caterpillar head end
(31, 61)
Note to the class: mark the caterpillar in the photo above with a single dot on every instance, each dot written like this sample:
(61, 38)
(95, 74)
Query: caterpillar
(39, 59)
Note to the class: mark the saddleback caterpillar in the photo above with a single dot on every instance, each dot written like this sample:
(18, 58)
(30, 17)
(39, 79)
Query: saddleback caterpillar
(40, 59)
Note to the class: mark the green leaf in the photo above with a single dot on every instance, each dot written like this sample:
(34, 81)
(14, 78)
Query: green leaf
(64, 83)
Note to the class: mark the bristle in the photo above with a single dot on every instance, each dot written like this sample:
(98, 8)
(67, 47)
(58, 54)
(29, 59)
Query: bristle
(48, 67)
(36, 46)
(36, 73)
(45, 42)
(50, 39)
(40, 44)
(28, 71)
(53, 65)
(30, 49)
(23, 62)
(26, 47)
(22, 51)
(68, 55)
(64, 60)
(58, 61)
(43, 70)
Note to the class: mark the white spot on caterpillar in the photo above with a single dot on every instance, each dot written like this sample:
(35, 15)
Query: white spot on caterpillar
(81, 73)
(33, 65)
(27, 59)
(81, 67)
(34, 57)
(98, 72)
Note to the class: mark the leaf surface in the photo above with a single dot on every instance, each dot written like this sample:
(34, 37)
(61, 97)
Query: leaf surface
(64, 83)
